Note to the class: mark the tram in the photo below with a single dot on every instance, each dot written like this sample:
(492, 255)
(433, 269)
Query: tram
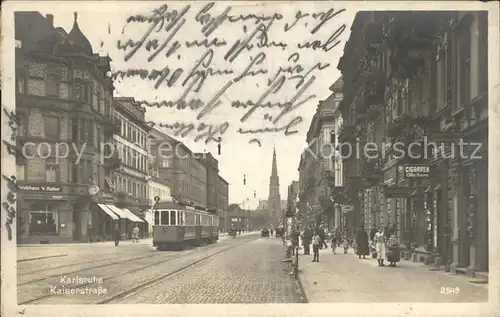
(178, 225)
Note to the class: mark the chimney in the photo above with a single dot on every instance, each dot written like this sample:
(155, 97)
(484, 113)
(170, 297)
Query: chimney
(50, 19)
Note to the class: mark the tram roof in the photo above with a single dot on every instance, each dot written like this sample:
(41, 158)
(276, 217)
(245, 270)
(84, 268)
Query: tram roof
(174, 204)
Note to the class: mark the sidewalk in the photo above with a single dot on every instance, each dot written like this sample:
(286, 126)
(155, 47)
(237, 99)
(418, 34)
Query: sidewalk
(345, 278)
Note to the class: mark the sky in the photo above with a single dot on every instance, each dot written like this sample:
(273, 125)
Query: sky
(239, 159)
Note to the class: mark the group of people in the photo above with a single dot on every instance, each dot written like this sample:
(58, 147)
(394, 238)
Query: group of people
(318, 238)
(382, 241)
(117, 234)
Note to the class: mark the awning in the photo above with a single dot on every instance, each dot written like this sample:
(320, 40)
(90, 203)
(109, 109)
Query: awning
(118, 211)
(131, 216)
(108, 211)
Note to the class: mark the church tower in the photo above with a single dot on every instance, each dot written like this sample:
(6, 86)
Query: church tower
(274, 200)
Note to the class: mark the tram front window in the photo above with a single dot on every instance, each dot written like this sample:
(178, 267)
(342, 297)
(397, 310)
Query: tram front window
(164, 217)
(157, 217)
(173, 215)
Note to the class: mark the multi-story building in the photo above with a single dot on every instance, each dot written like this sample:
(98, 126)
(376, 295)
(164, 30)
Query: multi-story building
(338, 175)
(416, 78)
(316, 168)
(223, 203)
(179, 167)
(63, 103)
(131, 179)
(212, 179)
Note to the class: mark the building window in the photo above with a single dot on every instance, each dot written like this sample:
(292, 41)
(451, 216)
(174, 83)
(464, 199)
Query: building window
(464, 86)
(22, 128)
(51, 125)
(74, 173)
(90, 131)
(51, 171)
(43, 219)
(98, 97)
(74, 130)
(21, 83)
(21, 172)
(52, 85)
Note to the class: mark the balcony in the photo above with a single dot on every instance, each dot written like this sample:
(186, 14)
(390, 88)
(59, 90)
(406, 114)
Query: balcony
(405, 127)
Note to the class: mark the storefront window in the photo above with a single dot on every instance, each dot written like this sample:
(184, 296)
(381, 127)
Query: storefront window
(43, 219)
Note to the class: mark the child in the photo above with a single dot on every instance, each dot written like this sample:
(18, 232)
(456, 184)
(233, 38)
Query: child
(316, 244)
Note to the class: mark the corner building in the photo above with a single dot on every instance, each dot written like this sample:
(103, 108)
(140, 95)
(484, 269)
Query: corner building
(62, 96)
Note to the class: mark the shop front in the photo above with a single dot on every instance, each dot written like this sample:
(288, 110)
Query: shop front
(43, 214)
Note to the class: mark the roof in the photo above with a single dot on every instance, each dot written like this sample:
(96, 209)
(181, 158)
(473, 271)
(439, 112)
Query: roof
(337, 85)
(76, 42)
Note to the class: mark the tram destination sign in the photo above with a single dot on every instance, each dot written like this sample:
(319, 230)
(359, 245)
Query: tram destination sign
(417, 171)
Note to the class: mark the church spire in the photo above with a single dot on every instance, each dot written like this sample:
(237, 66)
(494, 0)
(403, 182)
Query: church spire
(274, 171)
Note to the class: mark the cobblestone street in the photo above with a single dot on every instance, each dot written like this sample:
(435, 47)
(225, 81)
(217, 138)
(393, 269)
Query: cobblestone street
(242, 270)
(344, 278)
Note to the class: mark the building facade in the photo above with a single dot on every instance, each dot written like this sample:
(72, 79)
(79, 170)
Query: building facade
(223, 203)
(179, 167)
(63, 103)
(420, 78)
(317, 164)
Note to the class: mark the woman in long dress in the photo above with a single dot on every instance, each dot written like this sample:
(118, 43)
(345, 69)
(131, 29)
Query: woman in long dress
(380, 246)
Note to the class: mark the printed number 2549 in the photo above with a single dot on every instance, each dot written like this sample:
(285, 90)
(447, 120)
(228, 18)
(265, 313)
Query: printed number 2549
(449, 290)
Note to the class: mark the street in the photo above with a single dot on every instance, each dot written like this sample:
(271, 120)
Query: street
(246, 269)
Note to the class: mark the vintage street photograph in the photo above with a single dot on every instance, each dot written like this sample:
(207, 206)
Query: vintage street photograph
(229, 153)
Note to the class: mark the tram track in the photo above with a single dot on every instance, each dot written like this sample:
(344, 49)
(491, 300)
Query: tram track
(162, 278)
(38, 299)
(86, 268)
(66, 265)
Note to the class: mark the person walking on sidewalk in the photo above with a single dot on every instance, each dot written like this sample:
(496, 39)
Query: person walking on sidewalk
(334, 241)
(362, 242)
(116, 234)
(322, 236)
(380, 246)
(294, 235)
(135, 234)
(393, 255)
(316, 244)
(306, 240)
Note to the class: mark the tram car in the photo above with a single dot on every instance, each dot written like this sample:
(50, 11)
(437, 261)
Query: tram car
(179, 225)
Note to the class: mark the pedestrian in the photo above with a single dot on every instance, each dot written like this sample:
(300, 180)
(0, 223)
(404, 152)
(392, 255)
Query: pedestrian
(135, 234)
(316, 244)
(322, 236)
(380, 246)
(338, 237)
(271, 232)
(362, 242)
(393, 254)
(334, 242)
(346, 242)
(116, 234)
(306, 240)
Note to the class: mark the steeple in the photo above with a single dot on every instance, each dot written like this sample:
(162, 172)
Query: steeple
(274, 171)
(274, 200)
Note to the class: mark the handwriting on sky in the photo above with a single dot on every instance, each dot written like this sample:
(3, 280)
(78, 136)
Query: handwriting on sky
(251, 63)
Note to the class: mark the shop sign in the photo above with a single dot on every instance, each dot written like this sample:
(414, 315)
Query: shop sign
(398, 192)
(235, 219)
(41, 188)
(417, 171)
